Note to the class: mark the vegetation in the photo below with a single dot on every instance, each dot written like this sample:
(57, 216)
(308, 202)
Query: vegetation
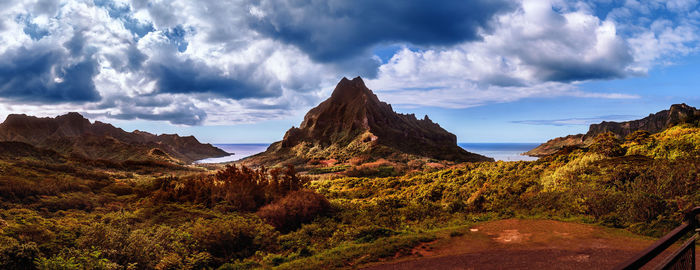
(63, 213)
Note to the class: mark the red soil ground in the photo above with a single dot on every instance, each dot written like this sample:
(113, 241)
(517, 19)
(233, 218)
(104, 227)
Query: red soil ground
(525, 244)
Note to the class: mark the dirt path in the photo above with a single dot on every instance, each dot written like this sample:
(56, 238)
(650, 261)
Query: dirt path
(525, 244)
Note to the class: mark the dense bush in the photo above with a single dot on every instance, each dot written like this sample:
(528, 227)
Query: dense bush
(288, 213)
(15, 255)
(232, 238)
(607, 144)
(75, 259)
(240, 188)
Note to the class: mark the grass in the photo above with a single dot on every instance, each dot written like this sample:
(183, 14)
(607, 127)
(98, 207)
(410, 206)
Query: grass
(331, 169)
(353, 253)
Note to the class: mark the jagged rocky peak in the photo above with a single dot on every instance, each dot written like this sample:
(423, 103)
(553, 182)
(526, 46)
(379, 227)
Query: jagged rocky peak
(354, 121)
(350, 89)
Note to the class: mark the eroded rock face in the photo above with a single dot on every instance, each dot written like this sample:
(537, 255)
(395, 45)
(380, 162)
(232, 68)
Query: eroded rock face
(654, 123)
(72, 134)
(678, 113)
(353, 121)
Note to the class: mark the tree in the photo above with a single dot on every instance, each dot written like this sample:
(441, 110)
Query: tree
(607, 144)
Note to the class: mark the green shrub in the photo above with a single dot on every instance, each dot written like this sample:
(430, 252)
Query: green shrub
(607, 144)
(372, 233)
(76, 259)
(233, 237)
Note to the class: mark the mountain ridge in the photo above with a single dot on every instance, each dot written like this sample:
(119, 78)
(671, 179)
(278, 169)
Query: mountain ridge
(73, 134)
(654, 123)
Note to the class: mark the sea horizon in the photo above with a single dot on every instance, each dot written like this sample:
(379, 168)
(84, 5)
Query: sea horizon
(505, 151)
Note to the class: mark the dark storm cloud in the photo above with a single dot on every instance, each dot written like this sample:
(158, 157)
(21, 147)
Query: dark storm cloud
(45, 75)
(130, 59)
(191, 76)
(181, 115)
(161, 107)
(337, 29)
(76, 44)
(570, 72)
(569, 66)
(135, 58)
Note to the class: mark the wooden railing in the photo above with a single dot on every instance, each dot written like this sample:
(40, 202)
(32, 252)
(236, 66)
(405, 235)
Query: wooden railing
(683, 258)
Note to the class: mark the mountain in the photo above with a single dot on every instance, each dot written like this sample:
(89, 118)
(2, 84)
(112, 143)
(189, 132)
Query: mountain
(354, 122)
(654, 123)
(72, 134)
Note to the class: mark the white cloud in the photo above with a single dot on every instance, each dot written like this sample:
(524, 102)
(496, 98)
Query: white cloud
(542, 49)
(533, 52)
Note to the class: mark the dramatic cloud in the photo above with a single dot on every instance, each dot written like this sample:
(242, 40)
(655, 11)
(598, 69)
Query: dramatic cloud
(223, 62)
(45, 74)
(185, 114)
(542, 49)
(338, 29)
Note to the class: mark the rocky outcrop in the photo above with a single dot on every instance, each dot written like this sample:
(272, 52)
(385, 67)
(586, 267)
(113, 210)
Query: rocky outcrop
(554, 145)
(654, 123)
(354, 122)
(657, 122)
(72, 134)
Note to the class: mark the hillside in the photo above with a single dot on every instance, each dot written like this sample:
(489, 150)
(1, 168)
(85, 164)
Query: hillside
(654, 123)
(354, 123)
(72, 134)
(62, 212)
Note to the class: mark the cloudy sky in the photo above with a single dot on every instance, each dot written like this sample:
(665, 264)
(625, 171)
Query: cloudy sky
(247, 70)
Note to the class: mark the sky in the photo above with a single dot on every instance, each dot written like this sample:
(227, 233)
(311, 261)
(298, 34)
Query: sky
(244, 71)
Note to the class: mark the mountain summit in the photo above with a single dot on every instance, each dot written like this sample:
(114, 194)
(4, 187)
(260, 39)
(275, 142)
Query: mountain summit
(354, 122)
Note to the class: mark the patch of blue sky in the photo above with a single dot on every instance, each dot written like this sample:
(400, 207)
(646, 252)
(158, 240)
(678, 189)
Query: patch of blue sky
(30, 28)
(124, 14)
(176, 35)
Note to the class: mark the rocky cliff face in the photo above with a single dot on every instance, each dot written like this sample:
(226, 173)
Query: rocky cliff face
(353, 121)
(657, 122)
(72, 134)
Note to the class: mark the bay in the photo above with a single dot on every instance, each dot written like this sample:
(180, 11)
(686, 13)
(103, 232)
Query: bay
(498, 151)
(501, 151)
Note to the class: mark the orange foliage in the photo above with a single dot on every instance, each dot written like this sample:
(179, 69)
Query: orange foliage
(297, 207)
(241, 188)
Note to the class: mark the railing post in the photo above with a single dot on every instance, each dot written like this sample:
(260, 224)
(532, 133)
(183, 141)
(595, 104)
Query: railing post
(689, 225)
(692, 251)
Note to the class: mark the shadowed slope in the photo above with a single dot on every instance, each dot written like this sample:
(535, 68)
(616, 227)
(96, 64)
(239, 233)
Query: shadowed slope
(72, 134)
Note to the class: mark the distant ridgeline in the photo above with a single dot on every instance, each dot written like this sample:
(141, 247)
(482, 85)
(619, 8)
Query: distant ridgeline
(73, 135)
(654, 123)
(354, 123)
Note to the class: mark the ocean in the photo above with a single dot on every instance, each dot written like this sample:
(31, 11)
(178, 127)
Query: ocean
(498, 151)
(239, 150)
(501, 151)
